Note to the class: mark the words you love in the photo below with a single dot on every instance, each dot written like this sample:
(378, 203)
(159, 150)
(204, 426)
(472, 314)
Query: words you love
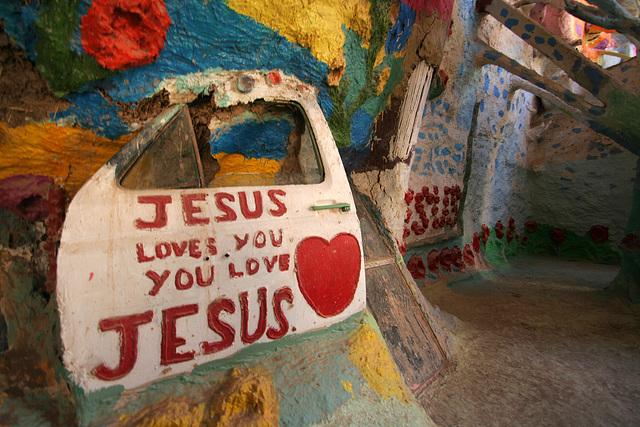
(184, 278)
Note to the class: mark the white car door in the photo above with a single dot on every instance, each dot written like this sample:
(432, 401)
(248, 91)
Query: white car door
(177, 253)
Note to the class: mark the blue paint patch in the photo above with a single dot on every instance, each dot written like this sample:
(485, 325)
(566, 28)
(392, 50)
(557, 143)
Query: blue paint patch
(509, 106)
(568, 169)
(361, 128)
(576, 66)
(457, 158)
(595, 77)
(569, 96)
(445, 152)
(437, 137)
(499, 71)
(458, 147)
(552, 42)
(511, 22)
(421, 135)
(539, 40)
(447, 119)
(576, 130)
(401, 30)
(558, 55)
(505, 94)
(554, 78)
(493, 127)
(504, 13)
(446, 106)
(525, 36)
(436, 150)
(242, 43)
(439, 166)
(501, 113)
(529, 27)
(492, 55)
(501, 80)
(453, 171)
(481, 107)
(266, 139)
(91, 110)
(496, 92)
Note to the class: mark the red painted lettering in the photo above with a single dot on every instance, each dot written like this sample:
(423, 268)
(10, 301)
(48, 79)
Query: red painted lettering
(158, 280)
(226, 331)
(260, 240)
(211, 246)
(274, 242)
(127, 328)
(281, 208)
(163, 250)
(229, 213)
(233, 273)
(170, 340)
(246, 337)
(160, 219)
(271, 264)
(252, 266)
(179, 249)
(178, 280)
(140, 253)
(194, 248)
(282, 294)
(283, 262)
(189, 209)
(240, 242)
(200, 280)
(244, 207)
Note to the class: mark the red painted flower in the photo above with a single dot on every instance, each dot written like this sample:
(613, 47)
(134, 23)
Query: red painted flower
(408, 197)
(509, 235)
(419, 198)
(123, 34)
(445, 201)
(631, 242)
(524, 240)
(476, 242)
(416, 267)
(499, 229)
(407, 218)
(468, 256)
(456, 258)
(531, 226)
(433, 260)
(486, 232)
(425, 191)
(425, 221)
(512, 224)
(434, 210)
(446, 259)
(419, 208)
(447, 190)
(599, 233)
(435, 190)
(417, 228)
(557, 236)
(405, 233)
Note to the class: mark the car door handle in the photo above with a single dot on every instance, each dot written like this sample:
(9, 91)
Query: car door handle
(344, 207)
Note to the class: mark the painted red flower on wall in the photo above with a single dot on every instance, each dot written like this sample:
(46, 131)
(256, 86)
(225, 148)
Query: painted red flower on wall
(467, 254)
(499, 229)
(416, 267)
(122, 34)
(486, 232)
(557, 236)
(599, 233)
(531, 226)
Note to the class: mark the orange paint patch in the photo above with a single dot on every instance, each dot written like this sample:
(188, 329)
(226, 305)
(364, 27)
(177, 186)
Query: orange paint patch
(67, 154)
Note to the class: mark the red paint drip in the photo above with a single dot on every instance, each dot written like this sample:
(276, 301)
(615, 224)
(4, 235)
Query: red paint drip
(123, 34)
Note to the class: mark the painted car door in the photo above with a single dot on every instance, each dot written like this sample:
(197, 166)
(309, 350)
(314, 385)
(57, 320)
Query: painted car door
(186, 248)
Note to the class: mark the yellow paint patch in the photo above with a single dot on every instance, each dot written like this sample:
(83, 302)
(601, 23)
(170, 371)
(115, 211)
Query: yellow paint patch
(384, 76)
(348, 387)
(245, 398)
(166, 412)
(369, 354)
(69, 155)
(236, 169)
(316, 24)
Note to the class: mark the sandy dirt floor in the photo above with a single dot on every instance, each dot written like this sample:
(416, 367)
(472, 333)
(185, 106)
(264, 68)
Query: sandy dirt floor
(538, 343)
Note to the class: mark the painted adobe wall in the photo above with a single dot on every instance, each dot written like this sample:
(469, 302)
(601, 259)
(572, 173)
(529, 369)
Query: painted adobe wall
(534, 181)
(79, 79)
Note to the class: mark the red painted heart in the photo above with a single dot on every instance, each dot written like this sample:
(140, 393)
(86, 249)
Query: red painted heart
(328, 272)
